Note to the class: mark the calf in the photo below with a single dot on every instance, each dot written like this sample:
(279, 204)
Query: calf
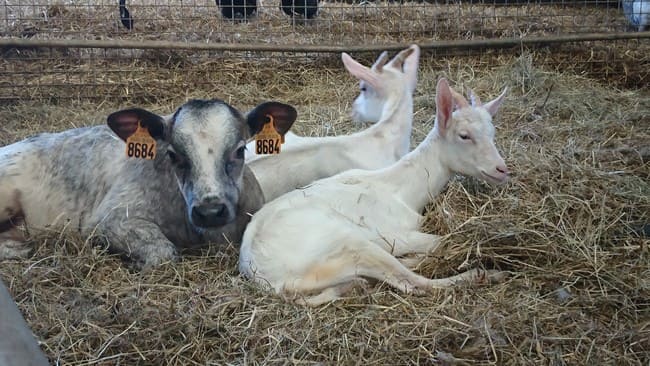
(196, 190)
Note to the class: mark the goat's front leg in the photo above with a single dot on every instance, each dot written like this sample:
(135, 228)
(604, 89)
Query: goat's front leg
(138, 239)
(407, 242)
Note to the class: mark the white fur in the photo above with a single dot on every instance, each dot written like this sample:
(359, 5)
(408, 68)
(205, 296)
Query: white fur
(310, 159)
(318, 242)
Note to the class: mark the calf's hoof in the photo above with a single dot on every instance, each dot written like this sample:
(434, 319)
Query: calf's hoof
(14, 249)
(154, 256)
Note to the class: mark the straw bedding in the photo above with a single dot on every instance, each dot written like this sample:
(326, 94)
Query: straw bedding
(572, 227)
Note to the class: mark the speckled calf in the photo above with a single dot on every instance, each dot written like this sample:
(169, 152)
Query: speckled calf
(196, 190)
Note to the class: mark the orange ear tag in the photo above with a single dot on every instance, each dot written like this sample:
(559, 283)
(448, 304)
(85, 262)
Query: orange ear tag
(268, 140)
(141, 145)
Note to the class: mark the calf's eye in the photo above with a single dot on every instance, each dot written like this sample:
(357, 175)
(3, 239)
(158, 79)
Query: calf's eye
(178, 160)
(172, 156)
(239, 154)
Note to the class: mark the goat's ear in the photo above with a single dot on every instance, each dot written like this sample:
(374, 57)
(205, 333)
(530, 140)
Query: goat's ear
(125, 122)
(493, 106)
(398, 61)
(283, 115)
(381, 61)
(411, 66)
(359, 71)
(444, 104)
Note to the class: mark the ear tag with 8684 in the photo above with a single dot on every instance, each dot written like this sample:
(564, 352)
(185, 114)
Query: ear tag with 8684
(268, 140)
(141, 145)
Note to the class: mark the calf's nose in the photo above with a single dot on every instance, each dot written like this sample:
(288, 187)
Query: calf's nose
(210, 214)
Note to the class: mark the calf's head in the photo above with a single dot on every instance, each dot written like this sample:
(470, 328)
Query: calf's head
(205, 141)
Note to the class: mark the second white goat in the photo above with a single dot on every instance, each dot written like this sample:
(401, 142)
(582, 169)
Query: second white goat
(378, 146)
(316, 243)
(367, 107)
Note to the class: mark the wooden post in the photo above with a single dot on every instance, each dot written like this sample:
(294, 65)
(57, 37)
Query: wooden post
(18, 347)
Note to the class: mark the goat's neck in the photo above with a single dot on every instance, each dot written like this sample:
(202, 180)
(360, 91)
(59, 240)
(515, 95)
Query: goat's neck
(421, 174)
(396, 122)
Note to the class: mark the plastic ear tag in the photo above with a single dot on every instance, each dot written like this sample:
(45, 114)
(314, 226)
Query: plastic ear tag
(141, 145)
(268, 140)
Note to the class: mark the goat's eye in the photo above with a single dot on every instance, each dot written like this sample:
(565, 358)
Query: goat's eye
(464, 136)
(239, 154)
(363, 89)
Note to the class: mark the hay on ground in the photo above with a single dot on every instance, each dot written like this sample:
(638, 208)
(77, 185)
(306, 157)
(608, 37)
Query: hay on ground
(572, 227)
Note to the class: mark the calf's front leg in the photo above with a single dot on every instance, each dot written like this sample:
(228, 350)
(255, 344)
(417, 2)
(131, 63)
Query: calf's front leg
(139, 239)
(12, 240)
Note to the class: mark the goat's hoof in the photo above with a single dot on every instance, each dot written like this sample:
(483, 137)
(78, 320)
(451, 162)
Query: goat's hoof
(491, 276)
(415, 290)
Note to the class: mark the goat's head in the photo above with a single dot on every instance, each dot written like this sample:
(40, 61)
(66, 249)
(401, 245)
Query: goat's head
(383, 80)
(205, 142)
(468, 134)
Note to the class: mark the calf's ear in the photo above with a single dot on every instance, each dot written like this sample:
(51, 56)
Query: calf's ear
(125, 122)
(283, 115)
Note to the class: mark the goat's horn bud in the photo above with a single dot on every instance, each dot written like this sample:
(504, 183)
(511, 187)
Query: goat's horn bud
(476, 101)
(381, 61)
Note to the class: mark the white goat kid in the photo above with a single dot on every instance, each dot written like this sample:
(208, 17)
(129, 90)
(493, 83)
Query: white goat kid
(316, 243)
(367, 107)
(376, 147)
(369, 104)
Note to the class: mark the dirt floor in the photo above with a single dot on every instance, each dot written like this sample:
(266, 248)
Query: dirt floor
(572, 226)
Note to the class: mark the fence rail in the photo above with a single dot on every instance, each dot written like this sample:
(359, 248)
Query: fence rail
(438, 45)
(78, 49)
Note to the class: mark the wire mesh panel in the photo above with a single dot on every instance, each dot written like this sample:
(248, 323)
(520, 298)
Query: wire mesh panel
(56, 74)
(310, 22)
(63, 72)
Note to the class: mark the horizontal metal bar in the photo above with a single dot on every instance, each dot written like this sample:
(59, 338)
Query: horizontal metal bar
(435, 45)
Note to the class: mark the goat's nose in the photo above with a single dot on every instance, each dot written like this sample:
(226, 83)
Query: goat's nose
(210, 215)
(502, 169)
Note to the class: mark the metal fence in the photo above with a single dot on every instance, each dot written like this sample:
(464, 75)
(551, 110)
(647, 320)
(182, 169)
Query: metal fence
(335, 23)
(67, 49)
